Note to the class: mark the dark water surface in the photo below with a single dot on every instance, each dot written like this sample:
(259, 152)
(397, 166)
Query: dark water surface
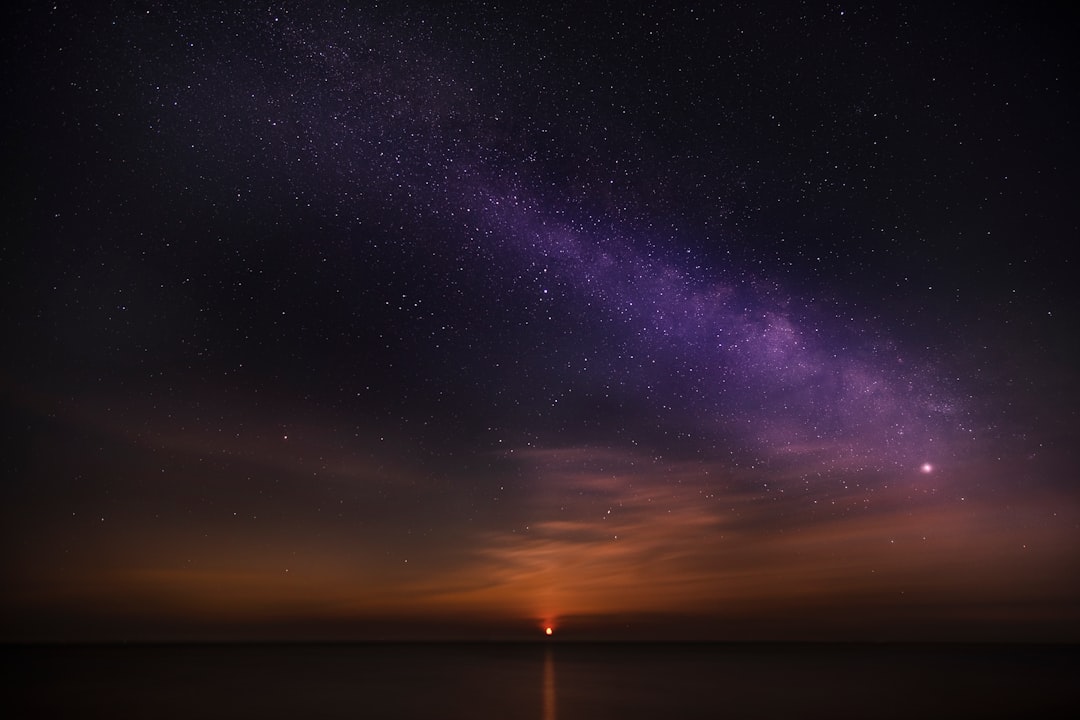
(542, 682)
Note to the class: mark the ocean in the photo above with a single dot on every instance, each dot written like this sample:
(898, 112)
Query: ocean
(541, 681)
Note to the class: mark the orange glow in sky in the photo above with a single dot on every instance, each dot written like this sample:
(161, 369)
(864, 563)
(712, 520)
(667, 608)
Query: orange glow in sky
(638, 543)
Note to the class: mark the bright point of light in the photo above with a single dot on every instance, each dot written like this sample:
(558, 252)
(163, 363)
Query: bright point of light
(547, 631)
(926, 468)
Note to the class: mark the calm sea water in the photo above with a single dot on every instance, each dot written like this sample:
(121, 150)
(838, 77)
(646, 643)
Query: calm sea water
(541, 682)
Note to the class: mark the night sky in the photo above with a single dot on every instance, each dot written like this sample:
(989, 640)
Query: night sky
(421, 320)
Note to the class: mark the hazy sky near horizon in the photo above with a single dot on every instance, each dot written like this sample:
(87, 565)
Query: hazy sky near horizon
(358, 320)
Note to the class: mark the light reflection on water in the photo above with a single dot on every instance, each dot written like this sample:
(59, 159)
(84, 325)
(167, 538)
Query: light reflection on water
(549, 704)
(546, 681)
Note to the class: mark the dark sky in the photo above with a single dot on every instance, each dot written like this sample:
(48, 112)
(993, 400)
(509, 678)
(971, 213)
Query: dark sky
(350, 321)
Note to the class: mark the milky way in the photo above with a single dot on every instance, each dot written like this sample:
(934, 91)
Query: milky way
(346, 319)
(367, 111)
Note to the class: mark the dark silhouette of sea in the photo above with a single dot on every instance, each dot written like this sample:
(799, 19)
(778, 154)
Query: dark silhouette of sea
(542, 681)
